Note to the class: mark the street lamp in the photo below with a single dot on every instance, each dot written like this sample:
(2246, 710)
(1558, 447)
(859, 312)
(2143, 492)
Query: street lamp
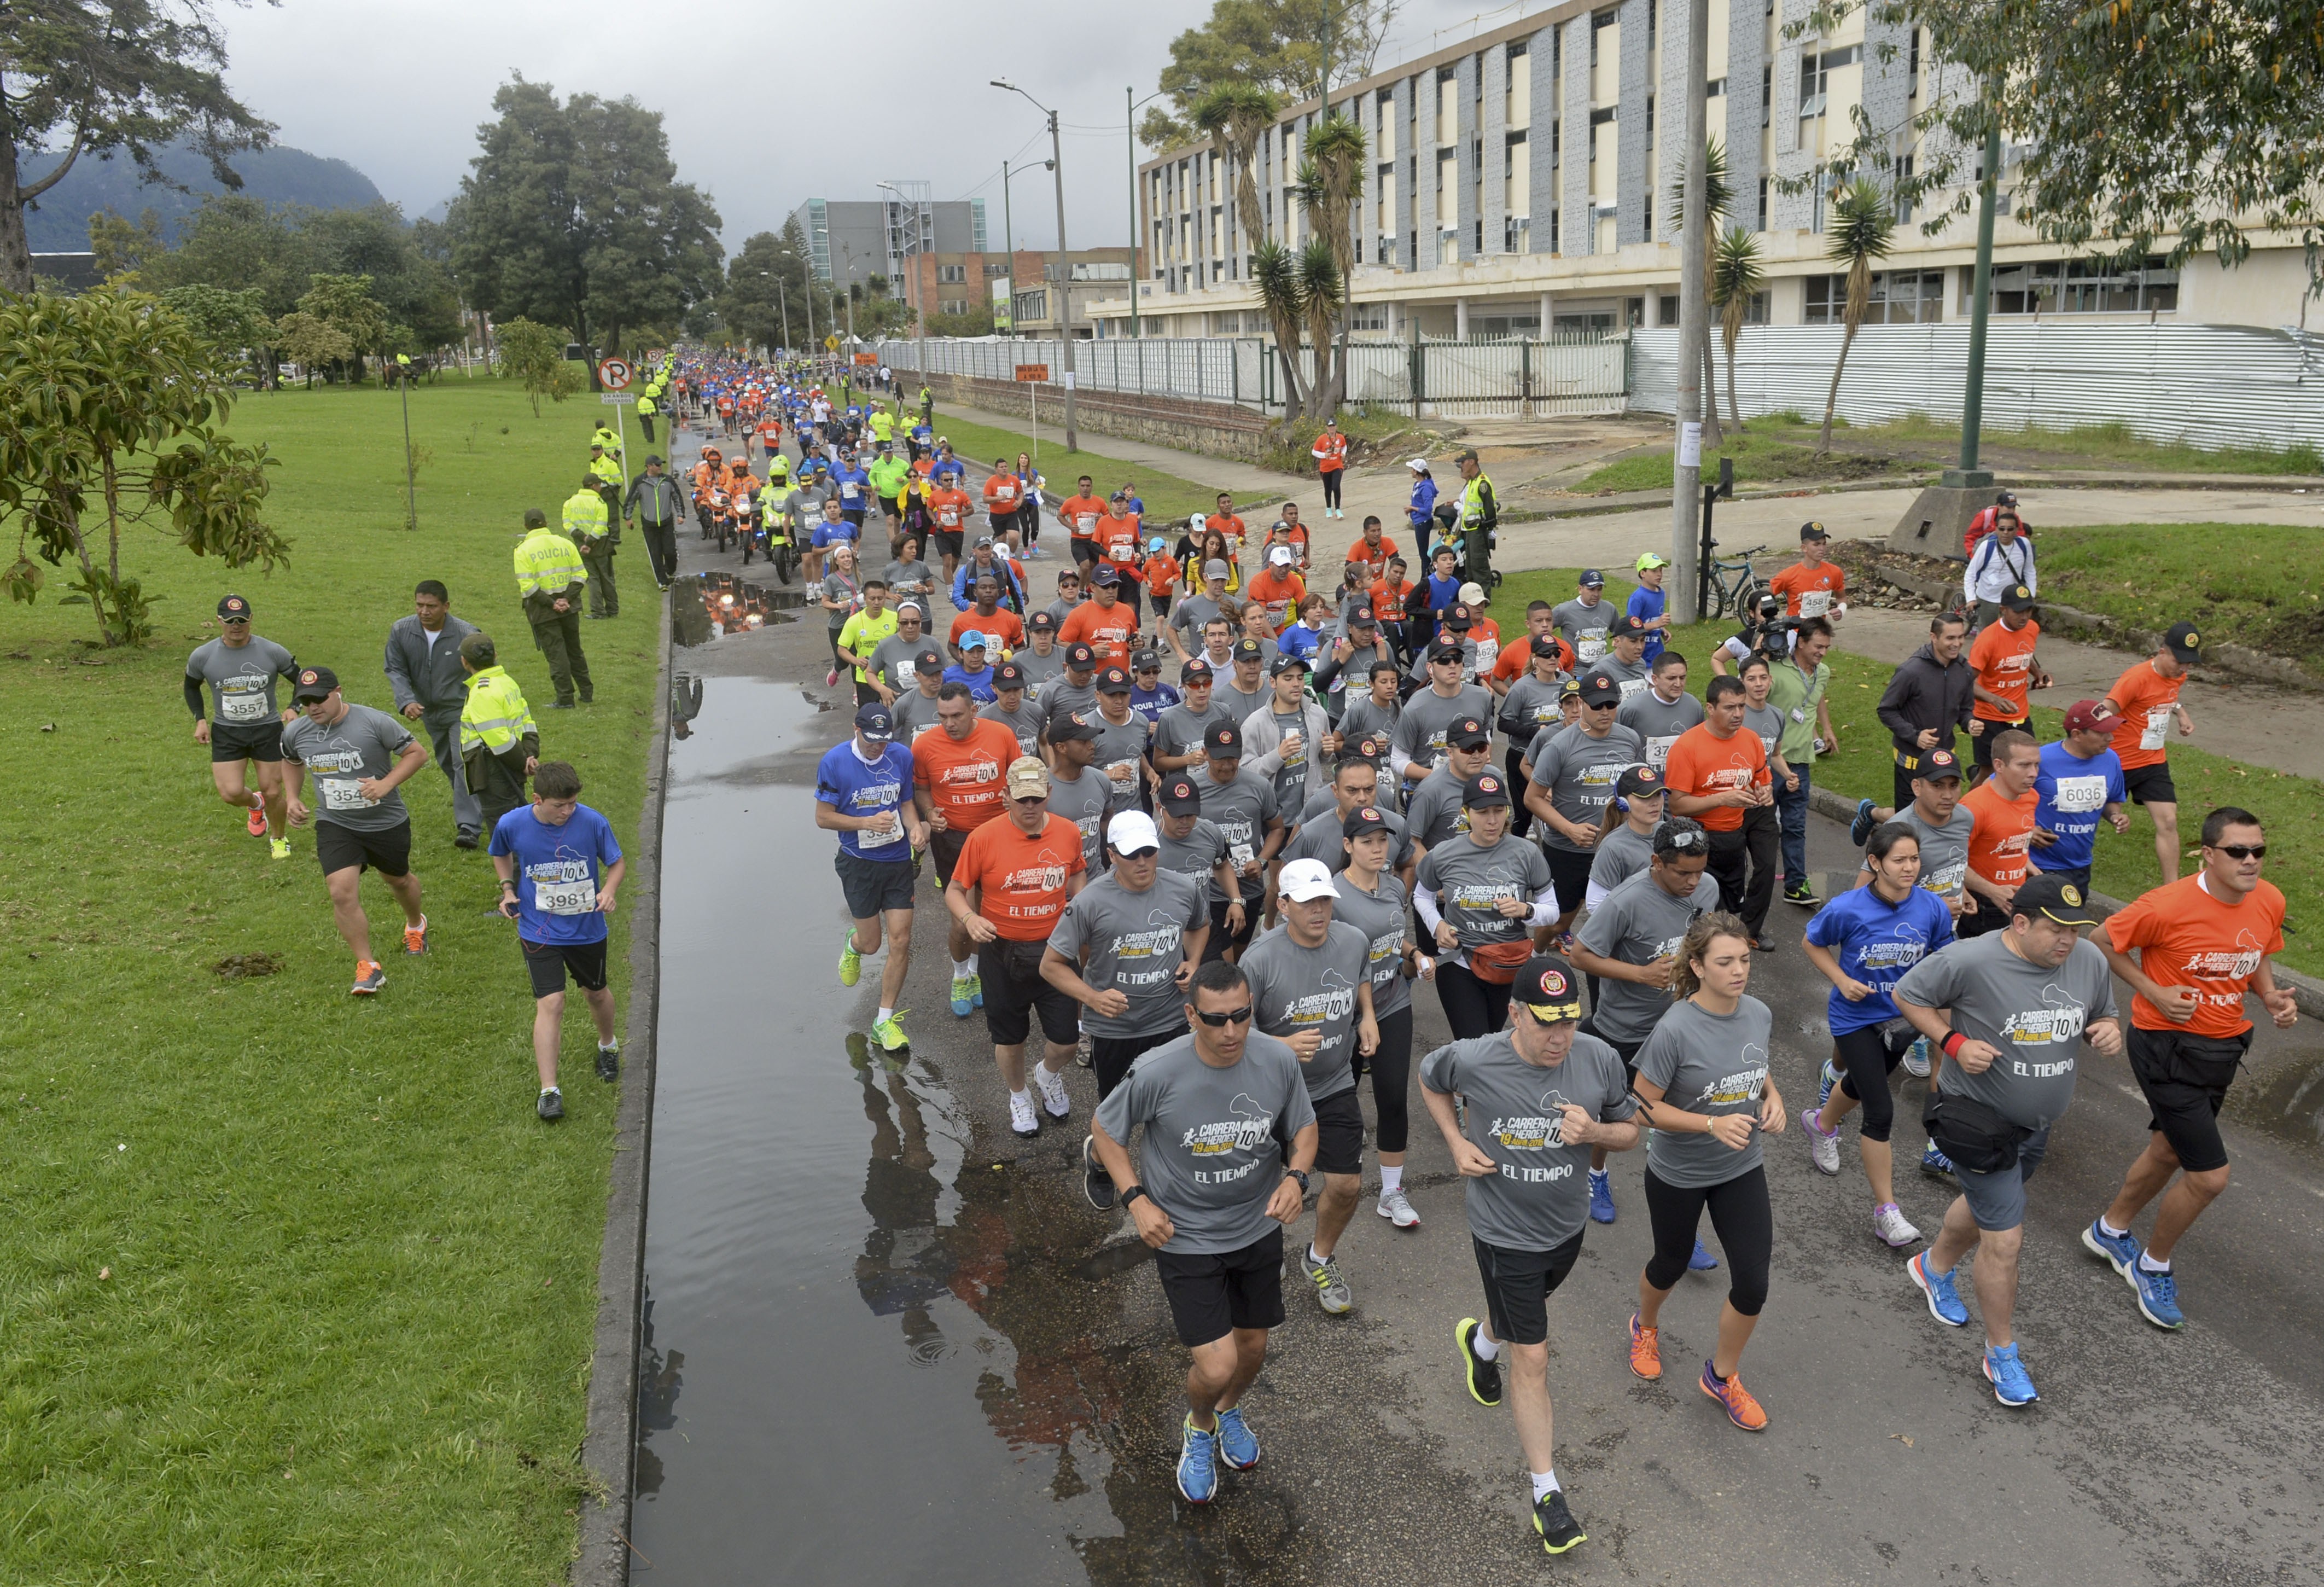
(1064, 268)
(1009, 230)
(1129, 127)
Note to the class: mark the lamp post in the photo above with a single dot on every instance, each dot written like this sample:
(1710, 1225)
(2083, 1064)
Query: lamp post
(1009, 230)
(1130, 128)
(1694, 320)
(1065, 267)
(1970, 475)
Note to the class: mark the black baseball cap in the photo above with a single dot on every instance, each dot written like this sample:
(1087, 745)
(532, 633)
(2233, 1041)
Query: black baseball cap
(875, 721)
(1179, 797)
(1146, 661)
(1814, 530)
(234, 606)
(1080, 658)
(1367, 748)
(1285, 661)
(1548, 988)
(927, 661)
(1248, 650)
(1067, 725)
(1467, 733)
(2054, 897)
(1629, 625)
(1114, 680)
(1484, 791)
(1041, 620)
(2186, 644)
(1008, 675)
(1197, 670)
(1362, 616)
(1546, 644)
(1937, 765)
(1222, 742)
(1638, 779)
(2017, 598)
(1459, 618)
(1364, 819)
(315, 683)
(1598, 689)
(1444, 652)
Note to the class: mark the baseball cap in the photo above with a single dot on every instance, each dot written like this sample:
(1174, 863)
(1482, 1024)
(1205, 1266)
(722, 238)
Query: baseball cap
(1444, 652)
(1484, 791)
(1042, 621)
(1028, 778)
(1417, 465)
(1651, 560)
(974, 639)
(1195, 670)
(1629, 625)
(2090, 716)
(1638, 779)
(1146, 661)
(1571, 689)
(1179, 797)
(1598, 689)
(1106, 574)
(1248, 650)
(1214, 569)
(1306, 880)
(1080, 658)
(1473, 594)
(2054, 897)
(1158, 545)
(2186, 644)
(1132, 833)
(1364, 819)
(1008, 675)
(1814, 530)
(1067, 726)
(234, 606)
(1459, 619)
(1546, 644)
(1284, 662)
(927, 661)
(1368, 748)
(1362, 617)
(1224, 742)
(1114, 680)
(1467, 733)
(1937, 765)
(2017, 598)
(875, 721)
(315, 683)
(1592, 579)
(1546, 987)
(1282, 556)
(983, 543)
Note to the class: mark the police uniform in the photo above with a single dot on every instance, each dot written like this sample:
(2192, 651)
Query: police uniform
(548, 566)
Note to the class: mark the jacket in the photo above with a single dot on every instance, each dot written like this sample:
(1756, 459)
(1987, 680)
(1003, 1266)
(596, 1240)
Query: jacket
(1262, 746)
(547, 566)
(494, 718)
(654, 499)
(418, 672)
(1926, 692)
(586, 520)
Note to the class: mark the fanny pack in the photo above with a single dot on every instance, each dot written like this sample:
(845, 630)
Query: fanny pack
(1496, 963)
(1972, 1134)
(1021, 960)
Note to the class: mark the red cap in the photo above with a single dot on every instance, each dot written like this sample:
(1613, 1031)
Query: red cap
(2090, 716)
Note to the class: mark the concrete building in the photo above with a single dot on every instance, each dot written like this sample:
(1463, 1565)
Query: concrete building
(1522, 181)
(955, 282)
(850, 241)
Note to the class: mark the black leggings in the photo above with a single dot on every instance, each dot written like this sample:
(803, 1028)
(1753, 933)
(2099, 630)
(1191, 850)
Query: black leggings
(1331, 478)
(1746, 1228)
(1473, 1008)
(1520, 817)
(1867, 1056)
(1391, 1072)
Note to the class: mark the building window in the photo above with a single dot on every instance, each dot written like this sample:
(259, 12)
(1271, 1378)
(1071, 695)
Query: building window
(1667, 313)
(2079, 286)
(1763, 205)
(1603, 115)
(1634, 312)
(995, 271)
(952, 304)
(1517, 231)
(1756, 310)
(1650, 118)
(1766, 95)
(952, 274)
(1899, 297)
(1816, 74)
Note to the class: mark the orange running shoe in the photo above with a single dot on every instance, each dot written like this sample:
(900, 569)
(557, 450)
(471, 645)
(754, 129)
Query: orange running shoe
(415, 938)
(1741, 1408)
(257, 823)
(1646, 1350)
(370, 976)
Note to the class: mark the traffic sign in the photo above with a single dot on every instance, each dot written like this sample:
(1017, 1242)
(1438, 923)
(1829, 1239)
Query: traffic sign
(866, 357)
(614, 374)
(1033, 372)
(830, 344)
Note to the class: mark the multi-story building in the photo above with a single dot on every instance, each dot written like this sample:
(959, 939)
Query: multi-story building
(850, 241)
(956, 282)
(1524, 181)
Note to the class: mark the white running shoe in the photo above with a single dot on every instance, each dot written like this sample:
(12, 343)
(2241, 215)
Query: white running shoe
(1022, 1119)
(1396, 1210)
(1053, 1092)
(1889, 1223)
(1823, 1145)
(1916, 1059)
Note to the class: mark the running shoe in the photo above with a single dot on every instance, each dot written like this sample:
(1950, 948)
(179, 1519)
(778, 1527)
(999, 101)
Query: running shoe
(831, 677)
(1023, 1122)
(1646, 1350)
(1859, 830)
(1823, 1145)
(1741, 1408)
(1916, 1059)
(1054, 1097)
(1889, 1223)
(2158, 1295)
(551, 1105)
(1803, 893)
(415, 938)
(2120, 1250)
(1097, 1184)
(609, 1061)
(890, 1033)
(465, 838)
(850, 962)
(976, 991)
(1198, 1466)
(1396, 1210)
(1559, 1530)
(1484, 1376)
(963, 999)
(1702, 1262)
(257, 824)
(2011, 1385)
(370, 976)
(279, 847)
(1944, 1299)
(1935, 1164)
(1238, 1444)
(1601, 1197)
(1331, 1288)
(1825, 1082)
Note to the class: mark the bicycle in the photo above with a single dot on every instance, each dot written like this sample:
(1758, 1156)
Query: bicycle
(1739, 595)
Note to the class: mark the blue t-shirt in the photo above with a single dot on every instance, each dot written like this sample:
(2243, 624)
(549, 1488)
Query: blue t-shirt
(2073, 792)
(1300, 641)
(1436, 594)
(947, 469)
(1876, 942)
(851, 500)
(851, 786)
(556, 869)
(1150, 703)
(828, 533)
(980, 682)
(1646, 606)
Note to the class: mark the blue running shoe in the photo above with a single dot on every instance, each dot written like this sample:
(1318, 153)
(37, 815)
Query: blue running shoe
(963, 1002)
(2120, 1251)
(1601, 1197)
(1198, 1468)
(1825, 1084)
(2007, 1373)
(1702, 1262)
(976, 990)
(1859, 830)
(1945, 1300)
(1238, 1444)
(1935, 1164)
(2158, 1295)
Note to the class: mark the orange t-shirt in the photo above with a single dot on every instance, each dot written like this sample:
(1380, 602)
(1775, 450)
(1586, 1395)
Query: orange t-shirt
(2002, 833)
(1230, 526)
(1107, 630)
(1387, 605)
(1002, 622)
(1020, 881)
(1081, 514)
(1001, 494)
(2145, 698)
(950, 508)
(1330, 452)
(1161, 572)
(2186, 935)
(1118, 543)
(964, 777)
(1515, 660)
(1810, 592)
(2004, 662)
(1374, 557)
(1279, 592)
(1701, 764)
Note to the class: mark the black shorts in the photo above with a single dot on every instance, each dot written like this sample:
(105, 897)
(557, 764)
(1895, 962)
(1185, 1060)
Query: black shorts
(944, 844)
(1518, 1285)
(1220, 941)
(2185, 1078)
(945, 542)
(1211, 1294)
(1569, 872)
(1981, 754)
(341, 848)
(893, 506)
(547, 962)
(1340, 1131)
(873, 886)
(246, 741)
(1014, 992)
(2150, 785)
(1083, 552)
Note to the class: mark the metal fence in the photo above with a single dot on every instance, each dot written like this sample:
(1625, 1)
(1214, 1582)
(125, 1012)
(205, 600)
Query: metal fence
(2209, 384)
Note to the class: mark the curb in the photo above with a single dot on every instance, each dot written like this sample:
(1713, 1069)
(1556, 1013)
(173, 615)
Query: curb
(609, 1445)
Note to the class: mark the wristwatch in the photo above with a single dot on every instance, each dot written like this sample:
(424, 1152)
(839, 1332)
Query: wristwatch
(1131, 1194)
(1295, 1174)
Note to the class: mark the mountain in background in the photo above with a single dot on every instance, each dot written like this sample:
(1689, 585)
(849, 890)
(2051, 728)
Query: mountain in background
(278, 175)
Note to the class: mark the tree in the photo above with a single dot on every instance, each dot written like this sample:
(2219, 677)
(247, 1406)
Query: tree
(345, 304)
(1277, 44)
(312, 343)
(121, 249)
(1331, 184)
(237, 243)
(1736, 278)
(1717, 194)
(231, 322)
(535, 353)
(1275, 271)
(1862, 227)
(766, 279)
(572, 214)
(1321, 292)
(106, 399)
(108, 76)
(1235, 116)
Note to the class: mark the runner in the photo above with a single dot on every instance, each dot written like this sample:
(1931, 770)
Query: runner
(360, 757)
(1391, 598)
(1010, 708)
(1813, 587)
(1373, 900)
(1041, 660)
(1331, 454)
(1243, 688)
(1479, 894)
(1355, 786)
(1663, 710)
(1528, 704)
(1418, 742)
(958, 766)
(1178, 729)
(1073, 692)
(1717, 774)
(2008, 1010)
(2202, 943)
(1014, 876)
(1625, 660)
(1159, 573)
(1123, 738)
(1571, 774)
(2001, 657)
(1105, 622)
(1081, 512)
(2001, 833)
(1997, 562)
(2079, 784)
(1003, 630)
(1188, 618)
(1149, 696)
(949, 507)
(1374, 712)
(1216, 1105)
(1277, 587)
(1193, 847)
(558, 845)
(1240, 804)
(1289, 740)
(2146, 698)
(1710, 1053)
(867, 628)
(1625, 835)
(1435, 810)
(889, 668)
(1077, 793)
(1586, 621)
(244, 729)
(1533, 1097)
(861, 790)
(1930, 695)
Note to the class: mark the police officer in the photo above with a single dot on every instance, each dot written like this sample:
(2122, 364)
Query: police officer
(1480, 514)
(423, 667)
(656, 504)
(549, 579)
(590, 527)
(499, 745)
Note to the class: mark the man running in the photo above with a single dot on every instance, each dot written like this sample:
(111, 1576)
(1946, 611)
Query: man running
(557, 848)
(1585, 621)
(958, 768)
(360, 757)
(2080, 783)
(1241, 803)
(1931, 693)
(2146, 698)
(862, 791)
(2001, 657)
(243, 728)
(1572, 772)
(1663, 710)
(2001, 812)
(1625, 660)
(1419, 740)
(1717, 774)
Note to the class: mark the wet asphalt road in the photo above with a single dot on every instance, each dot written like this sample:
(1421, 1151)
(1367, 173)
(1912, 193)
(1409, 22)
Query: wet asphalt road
(889, 1340)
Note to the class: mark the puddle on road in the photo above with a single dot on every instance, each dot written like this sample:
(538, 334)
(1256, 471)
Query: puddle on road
(705, 606)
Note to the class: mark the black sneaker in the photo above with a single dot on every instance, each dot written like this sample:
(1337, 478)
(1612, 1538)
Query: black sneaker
(465, 838)
(1096, 1183)
(1859, 830)
(1559, 1530)
(1801, 893)
(551, 1106)
(1484, 1376)
(609, 1061)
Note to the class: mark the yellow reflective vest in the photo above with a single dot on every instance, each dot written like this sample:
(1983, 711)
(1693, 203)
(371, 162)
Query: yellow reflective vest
(1472, 502)
(495, 718)
(585, 517)
(547, 563)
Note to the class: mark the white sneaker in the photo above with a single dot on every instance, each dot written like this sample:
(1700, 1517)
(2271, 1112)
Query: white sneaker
(1022, 1119)
(1889, 1223)
(1916, 1059)
(1396, 1210)
(1823, 1145)
(1053, 1092)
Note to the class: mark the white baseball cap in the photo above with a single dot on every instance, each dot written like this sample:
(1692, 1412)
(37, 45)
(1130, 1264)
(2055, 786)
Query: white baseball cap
(1132, 833)
(1282, 555)
(1305, 880)
(1473, 595)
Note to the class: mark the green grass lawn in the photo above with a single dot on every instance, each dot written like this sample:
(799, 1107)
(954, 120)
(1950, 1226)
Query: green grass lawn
(2293, 807)
(2263, 588)
(297, 1288)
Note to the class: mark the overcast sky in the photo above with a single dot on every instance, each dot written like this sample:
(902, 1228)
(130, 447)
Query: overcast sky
(765, 106)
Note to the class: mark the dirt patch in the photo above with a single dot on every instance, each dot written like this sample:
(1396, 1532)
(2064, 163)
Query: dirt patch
(1874, 571)
(247, 966)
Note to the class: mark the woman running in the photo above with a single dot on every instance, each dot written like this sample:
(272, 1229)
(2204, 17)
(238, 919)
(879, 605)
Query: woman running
(843, 593)
(1372, 900)
(1482, 893)
(1626, 836)
(1028, 508)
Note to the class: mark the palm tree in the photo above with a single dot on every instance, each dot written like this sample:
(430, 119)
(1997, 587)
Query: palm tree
(1717, 194)
(1330, 182)
(1736, 279)
(1235, 116)
(1322, 288)
(1274, 272)
(1863, 226)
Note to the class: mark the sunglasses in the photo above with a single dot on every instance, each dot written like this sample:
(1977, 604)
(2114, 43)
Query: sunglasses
(1225, 1017)
(2243, 851)
(235, 621)
(1682, 841)
(1604, 705)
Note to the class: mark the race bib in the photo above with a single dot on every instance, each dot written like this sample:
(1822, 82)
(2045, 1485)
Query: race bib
(345, 793)
(847, 490)
(1658, 750)
(868, 839)
(1631, 686)
(2158, 726)
(1240, 854)
(949, 517)
(242, 708)
(1589, 650)
(1088, 521)
(2078, 795)
(565, 898)
(1814, 603)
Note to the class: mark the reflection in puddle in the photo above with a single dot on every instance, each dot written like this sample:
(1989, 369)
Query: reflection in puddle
(705, 606)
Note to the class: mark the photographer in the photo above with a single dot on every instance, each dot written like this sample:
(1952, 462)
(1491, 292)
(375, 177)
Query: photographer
(1766, 629)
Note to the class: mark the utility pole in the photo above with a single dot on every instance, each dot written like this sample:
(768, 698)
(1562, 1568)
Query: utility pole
(782, 301)
(1970, 475)
(1009, 239)
(1694, 322)
(1064, 268)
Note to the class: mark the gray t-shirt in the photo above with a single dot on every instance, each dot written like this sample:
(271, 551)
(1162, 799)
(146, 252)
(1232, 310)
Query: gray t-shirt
(1241, 810)
(1944, 850)
(1529, 707)
(1322, 827)
(1633, 677)
(1515, 1115)
(365, 742)
(1768, 724)
(845, 588)
(913, 580)
(1584, 627)
(1189, 616)
(1434, 809)
(914, 712)
(1236, 702)
(804, 506)
(1066, 697)
(893, 659)
(1039, 669)
(2034, 1014)
(1365, 715)
(1291, 776)
(1622, 854)
(1297, 989)
(1580, 772)
(1197, 855)
(242, 681)
(1025, 723)
(1121, 744)
(1216, 1140)
(1136, 943)
(1083, 802)
(1658, 722)
(1381, 915)
(1637, 924)
(1712, 1063)
(1427, 715)
(1179, 729)
(1470, 882)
